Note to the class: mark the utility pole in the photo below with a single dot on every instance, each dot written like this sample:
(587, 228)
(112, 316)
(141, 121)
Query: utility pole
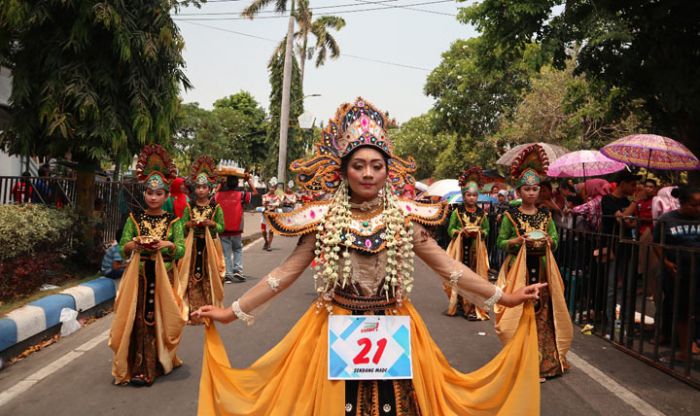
(284, 110)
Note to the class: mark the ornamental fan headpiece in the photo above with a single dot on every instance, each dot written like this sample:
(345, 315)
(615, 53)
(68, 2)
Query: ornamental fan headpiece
(155, 168)
(355, 125)
(471, 180)
(530, 166)
(203, 171)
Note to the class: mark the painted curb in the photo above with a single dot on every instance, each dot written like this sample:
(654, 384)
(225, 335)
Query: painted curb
(42, 314)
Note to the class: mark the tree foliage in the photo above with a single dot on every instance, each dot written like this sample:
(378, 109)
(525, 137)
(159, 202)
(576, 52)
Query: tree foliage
(235, 130)
(569, 110)
(649, 51)
(471, 95)
(418, 138)
(91, 78)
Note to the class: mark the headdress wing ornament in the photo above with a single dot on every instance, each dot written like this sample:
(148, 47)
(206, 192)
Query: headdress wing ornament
(530, 166)
(355, 124)
(203, 171)
(472, 179)
(155, 168)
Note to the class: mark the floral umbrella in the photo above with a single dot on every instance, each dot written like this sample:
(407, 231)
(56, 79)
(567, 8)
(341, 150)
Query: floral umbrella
(651, 151)
(582, 164)
(552, 151)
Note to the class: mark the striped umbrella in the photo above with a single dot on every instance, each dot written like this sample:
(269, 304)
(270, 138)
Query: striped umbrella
(651, 151)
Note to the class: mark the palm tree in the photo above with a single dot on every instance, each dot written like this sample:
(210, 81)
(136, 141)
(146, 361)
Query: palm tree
(320, 29)
(280, 6)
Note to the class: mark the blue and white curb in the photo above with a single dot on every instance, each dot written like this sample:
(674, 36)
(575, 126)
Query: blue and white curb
(36, 317)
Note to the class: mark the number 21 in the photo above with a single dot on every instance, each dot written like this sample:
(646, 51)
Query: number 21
(366, 345)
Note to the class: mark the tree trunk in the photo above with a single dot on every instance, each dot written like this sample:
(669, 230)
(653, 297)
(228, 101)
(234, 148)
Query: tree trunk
(85, 205)
(689, 135)
(284, 110)
(302, 63)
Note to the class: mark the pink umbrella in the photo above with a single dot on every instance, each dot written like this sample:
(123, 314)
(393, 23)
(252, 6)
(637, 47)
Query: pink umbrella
(651, 151)
(583, 163)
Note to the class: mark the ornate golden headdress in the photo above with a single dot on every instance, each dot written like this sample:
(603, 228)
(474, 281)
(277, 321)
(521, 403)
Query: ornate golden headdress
(155, 168)
(530, 166)
(471, 180)
(355, 125)
(203, 171)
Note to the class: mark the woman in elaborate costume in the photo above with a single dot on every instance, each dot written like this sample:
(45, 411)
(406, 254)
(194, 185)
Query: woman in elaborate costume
(468, 230)
(362, 242)
(149, 315)
(202, 268)
(528, 234)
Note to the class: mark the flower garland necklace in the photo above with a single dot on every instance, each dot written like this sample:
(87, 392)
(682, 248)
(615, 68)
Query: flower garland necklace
(333, 240)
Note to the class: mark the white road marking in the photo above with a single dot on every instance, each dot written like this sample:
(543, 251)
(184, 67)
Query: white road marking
(613, 386)
(39, 375)
(249, 245)
(66, 359)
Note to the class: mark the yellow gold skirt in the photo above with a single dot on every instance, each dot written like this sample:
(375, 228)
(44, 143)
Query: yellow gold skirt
(292, 378)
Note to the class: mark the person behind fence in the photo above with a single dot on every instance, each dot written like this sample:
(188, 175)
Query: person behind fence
(590, 212)
(232, 200)
(149, 316)
(22, 190)
(678, 232)
(202, 268)
(113, 264)
(468, 229)
(528, 234)
(617, 222)
(353, 239)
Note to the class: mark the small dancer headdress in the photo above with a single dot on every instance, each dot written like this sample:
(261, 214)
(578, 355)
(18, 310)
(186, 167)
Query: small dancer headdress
(355, 125)
(471, 180)
(203, 171)
(529, 166)
(155, 168)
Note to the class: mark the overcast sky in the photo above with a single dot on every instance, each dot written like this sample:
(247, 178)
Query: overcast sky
(220, 62)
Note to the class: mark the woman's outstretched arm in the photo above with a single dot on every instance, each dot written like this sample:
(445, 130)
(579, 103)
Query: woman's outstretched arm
(275, 282)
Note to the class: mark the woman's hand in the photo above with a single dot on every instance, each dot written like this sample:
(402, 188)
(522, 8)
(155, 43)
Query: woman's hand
(531, 292)
(517, 241)
(190, 224)
(165, 244)
(132, 246)
(224, 315)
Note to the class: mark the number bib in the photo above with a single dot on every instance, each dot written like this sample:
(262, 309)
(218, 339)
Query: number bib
(369, 347)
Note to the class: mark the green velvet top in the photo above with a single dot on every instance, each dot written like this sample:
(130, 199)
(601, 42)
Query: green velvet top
(515, 223)
(164, 227)
(211, 211)
(461, 218)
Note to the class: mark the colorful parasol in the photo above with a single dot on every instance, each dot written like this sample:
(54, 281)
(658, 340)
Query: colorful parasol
(443, 187)
(652, 151)
(552, 151)
(582, 164)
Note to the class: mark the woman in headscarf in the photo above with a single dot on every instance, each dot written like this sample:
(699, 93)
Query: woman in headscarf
(178, 200)
(591, 212)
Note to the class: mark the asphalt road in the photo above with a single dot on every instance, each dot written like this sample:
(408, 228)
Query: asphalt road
(80, 382)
